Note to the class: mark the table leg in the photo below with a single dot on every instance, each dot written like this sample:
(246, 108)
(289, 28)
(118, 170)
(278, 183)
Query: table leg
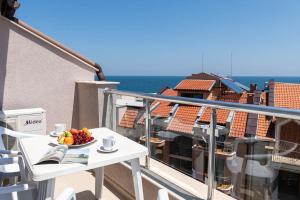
(137, 179)
(99, 177)
(46, 189)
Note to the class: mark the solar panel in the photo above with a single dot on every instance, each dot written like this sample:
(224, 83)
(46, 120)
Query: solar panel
(244, 87)
(232, 85)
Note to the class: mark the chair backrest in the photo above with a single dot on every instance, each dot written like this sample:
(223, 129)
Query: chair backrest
(15, 134)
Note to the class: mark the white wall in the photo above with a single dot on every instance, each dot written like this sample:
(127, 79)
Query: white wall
(34, 73)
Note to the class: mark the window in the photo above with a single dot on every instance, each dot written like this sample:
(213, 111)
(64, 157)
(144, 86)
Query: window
(191, 95)
(198, 96)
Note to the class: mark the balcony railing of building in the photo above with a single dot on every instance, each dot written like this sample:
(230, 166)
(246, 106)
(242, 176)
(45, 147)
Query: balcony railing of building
(209, 157)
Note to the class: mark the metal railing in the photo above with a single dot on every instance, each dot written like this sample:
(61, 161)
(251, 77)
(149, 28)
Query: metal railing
(248, 108)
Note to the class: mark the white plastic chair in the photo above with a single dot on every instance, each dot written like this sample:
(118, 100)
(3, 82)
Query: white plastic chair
(250, 165)
(162, 194)
(10, 171)
(25, 190)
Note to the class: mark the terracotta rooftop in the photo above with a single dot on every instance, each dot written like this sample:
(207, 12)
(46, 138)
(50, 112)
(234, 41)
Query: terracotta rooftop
(286, 95)
(169, 92)
(164, 107)
(129, 118)
(184, 119)
(162, 110)
(263, 126)
(195, 85)
(239, 123)
(263, 129)
(238, 127)
(203, 76)
(222, 114)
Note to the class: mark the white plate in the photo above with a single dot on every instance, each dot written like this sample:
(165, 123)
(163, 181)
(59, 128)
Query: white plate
(81, 145)
(101, 149)
(54, 134)
(76, 145)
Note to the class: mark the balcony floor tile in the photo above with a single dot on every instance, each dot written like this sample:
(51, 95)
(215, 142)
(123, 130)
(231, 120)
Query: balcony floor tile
(84, 185)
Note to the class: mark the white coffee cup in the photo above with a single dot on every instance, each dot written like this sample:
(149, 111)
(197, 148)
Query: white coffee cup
(59, 128)
(109, 142)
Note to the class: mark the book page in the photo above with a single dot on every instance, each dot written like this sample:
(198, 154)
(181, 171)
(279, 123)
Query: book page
(76, 156)
(54, 155)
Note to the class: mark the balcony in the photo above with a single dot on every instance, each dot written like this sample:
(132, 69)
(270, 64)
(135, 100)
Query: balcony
(189, 165)
(228, 166)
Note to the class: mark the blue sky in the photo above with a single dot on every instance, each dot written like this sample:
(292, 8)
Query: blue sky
(160, 37)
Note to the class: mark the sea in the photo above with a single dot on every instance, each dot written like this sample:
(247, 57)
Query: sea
(154, 84)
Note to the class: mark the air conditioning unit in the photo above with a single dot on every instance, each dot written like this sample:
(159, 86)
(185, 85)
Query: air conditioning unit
(31, 121)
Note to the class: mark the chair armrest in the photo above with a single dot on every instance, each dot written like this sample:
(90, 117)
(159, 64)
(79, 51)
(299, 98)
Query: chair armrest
(6, 161)
(15, 134)
(16, 188)
(67, 194)
(10, 152)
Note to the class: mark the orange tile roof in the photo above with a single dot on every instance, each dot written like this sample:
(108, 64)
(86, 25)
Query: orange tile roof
(162, 110)
(164, 107)
(184, 119)
(170, 92)
(239, 124)
(193, 84)
(263, 126)
(222, 116)
(129, 117)
(286, 95)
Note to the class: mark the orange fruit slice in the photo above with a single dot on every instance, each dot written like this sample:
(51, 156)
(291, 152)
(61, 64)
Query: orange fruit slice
(69, 140)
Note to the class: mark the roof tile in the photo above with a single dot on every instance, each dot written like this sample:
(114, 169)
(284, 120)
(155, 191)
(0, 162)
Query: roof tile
(222, 114)
(286, 95)
(184, 119)
(164, 108)
(238, 127)
(239, 123)
(263, 126)
(129, 117)
(194, 84)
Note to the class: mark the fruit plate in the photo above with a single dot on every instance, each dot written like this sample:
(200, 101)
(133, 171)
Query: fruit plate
(81, 145)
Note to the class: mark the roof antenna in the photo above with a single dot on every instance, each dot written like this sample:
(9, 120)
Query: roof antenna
(231, 65)
(202, 62)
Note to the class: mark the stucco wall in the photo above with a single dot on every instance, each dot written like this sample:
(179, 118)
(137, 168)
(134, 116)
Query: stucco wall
(34, 73)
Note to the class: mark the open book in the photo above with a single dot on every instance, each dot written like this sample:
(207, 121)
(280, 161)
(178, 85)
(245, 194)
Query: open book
(61, 154)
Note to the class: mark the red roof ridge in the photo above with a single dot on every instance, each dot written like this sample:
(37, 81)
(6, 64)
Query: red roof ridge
(186, 84)
(287, 83)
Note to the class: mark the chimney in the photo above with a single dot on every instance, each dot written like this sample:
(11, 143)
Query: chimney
(253, 87)
(271, 93)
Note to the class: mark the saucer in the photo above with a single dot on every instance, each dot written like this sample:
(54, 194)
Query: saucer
(54, 134)
(102, 149)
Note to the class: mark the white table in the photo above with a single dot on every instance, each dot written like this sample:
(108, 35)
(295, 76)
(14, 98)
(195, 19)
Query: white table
(34, 148)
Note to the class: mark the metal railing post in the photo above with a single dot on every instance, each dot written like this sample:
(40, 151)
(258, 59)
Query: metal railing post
(211, 155)
(113, 112)
(148, 132)
(104, 108)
